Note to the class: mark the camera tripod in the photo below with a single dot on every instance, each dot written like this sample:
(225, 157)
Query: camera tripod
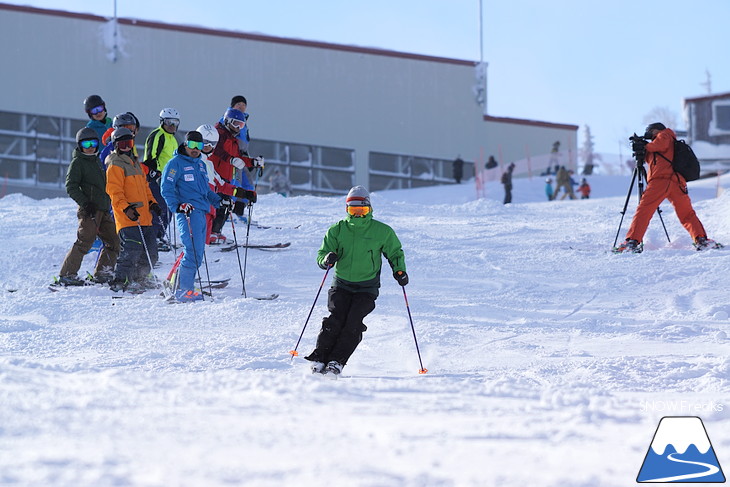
(640, 176)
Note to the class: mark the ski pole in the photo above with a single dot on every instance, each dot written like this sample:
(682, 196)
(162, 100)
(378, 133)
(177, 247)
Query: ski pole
(207, 273)
(413, 329)
(248, 227)
(195, 256)
(294, 352)
(147, 252)
(238, 254)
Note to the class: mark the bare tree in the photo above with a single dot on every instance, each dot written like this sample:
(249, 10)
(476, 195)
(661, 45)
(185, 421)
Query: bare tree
(662, 114)
(586, 152)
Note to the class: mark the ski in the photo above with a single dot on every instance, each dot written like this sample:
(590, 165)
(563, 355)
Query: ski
(256, 246)
(265, 227)
(216, 284)
(266, 297)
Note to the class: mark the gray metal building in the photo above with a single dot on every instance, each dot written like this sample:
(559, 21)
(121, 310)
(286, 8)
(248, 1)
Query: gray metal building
(329, 115)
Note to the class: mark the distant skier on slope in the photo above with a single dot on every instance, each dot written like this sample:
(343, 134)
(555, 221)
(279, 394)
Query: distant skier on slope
(354, 246)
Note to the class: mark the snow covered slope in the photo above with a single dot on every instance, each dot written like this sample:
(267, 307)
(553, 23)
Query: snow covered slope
(550, 359)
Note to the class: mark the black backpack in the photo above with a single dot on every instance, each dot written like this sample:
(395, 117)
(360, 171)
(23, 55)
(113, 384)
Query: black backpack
(685, 161)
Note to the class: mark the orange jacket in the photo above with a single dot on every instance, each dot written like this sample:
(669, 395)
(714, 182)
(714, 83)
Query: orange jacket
(127, 185)
(658, 167)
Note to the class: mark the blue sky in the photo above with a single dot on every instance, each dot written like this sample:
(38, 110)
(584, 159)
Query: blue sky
(604, 64)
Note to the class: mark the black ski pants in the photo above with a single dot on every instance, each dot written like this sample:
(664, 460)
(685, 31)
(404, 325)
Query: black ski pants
(342, 330)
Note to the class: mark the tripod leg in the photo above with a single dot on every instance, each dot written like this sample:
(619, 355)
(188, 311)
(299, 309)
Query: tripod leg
(626, 203)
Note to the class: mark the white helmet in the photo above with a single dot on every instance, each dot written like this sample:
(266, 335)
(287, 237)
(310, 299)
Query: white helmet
(210, 134)
(169, 113)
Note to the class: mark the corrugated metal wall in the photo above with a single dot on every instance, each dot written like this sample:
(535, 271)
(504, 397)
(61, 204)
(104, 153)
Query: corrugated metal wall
(363, 100)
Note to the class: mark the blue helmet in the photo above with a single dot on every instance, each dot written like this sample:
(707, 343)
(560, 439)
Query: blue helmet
(234, 114)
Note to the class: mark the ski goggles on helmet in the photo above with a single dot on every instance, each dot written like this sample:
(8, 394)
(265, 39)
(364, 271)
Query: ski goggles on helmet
(97, 110)
(125, 145)
(236, 123)
(192, 144)
(89, 143)
(173, 122)
(358, 210)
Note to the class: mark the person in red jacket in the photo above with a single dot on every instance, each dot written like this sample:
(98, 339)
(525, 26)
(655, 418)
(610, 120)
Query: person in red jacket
(228, 156)
(663, 182)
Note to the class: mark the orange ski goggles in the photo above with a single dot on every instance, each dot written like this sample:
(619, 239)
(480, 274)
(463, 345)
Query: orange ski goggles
(359, 211)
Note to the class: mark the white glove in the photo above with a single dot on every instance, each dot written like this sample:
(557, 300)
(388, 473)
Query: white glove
(238, 162)
(258, 161)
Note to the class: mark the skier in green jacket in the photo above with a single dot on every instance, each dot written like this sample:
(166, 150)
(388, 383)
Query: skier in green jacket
(86, 184)
(354, 247)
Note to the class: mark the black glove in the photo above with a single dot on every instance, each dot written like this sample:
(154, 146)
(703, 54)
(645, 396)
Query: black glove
(152, 166)
(184, 208)
(329, 260)
(239, 207)
(245, 193)
(226, 202)
(131, 213)
(155, 208)
(90, 209)
(401, 277)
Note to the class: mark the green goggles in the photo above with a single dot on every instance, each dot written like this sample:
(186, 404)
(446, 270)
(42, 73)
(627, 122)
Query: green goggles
(194, 145)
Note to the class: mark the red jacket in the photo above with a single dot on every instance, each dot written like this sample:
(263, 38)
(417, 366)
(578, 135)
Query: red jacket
(658, 167)
(226, 150)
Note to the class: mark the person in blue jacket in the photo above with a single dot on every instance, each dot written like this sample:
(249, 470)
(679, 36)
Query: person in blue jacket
(185, 188)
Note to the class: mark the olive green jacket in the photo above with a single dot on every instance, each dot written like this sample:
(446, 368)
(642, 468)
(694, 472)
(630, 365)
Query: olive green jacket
(86, 180)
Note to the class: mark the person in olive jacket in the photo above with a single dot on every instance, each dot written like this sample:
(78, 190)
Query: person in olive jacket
(354, 247)
(86, 185)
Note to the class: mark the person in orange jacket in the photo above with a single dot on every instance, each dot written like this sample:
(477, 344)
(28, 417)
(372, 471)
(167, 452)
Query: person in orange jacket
(663, 182)
(584, 189)
(133, 205)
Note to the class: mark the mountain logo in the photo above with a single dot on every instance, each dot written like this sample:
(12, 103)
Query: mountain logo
(680, 452)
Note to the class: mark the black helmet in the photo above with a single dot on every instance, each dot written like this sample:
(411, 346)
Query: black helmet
(92, 101)
(124, 119)
(652, 126)
(86, 133)
(194, 135)
(122, 133)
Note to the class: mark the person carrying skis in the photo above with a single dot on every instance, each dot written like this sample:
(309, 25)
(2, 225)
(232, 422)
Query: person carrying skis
(354, 247)
(185, 188)
(86, 185)
(133, 205)
(663, 182)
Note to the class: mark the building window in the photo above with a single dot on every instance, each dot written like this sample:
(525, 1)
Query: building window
(720, 123)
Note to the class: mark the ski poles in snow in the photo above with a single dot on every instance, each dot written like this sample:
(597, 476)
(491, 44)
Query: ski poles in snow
(294, 352)
(238, 254)
(147, 253)
(422, 370)
(195, 255)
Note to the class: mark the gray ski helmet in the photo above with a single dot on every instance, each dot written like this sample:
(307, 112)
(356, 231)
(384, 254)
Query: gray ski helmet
(122, 133)
(124, 119)
(92, 101)
(86, 133)
(358, 196)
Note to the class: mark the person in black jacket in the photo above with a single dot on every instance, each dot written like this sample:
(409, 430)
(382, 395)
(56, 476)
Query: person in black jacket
(86, 185)
(507, 182)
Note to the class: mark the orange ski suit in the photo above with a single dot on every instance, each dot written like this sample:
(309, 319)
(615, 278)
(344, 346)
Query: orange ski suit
(664, 183)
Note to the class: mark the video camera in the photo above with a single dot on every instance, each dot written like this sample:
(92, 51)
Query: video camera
(638, 145)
